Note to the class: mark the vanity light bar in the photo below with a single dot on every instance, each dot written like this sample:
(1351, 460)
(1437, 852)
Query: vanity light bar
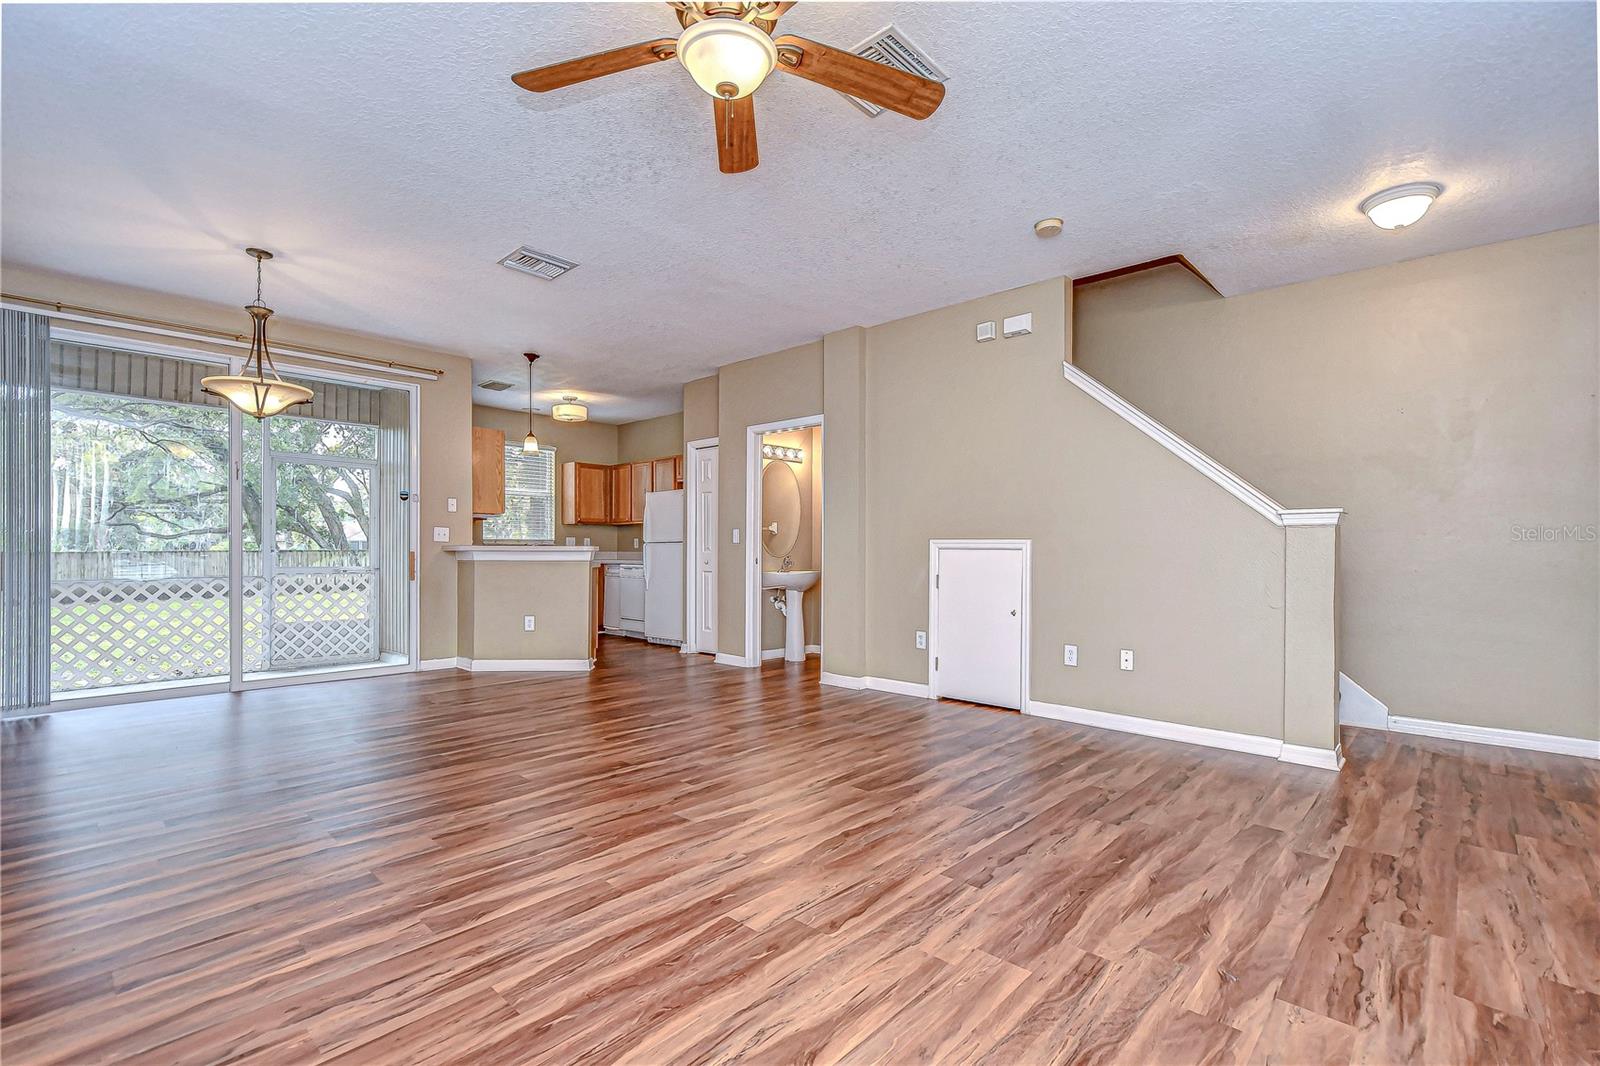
(789, 455)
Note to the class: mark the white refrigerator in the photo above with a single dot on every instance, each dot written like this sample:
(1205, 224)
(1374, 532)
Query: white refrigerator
(663, 566)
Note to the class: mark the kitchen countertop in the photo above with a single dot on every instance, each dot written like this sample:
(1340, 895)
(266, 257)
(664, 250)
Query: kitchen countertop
(519, 553)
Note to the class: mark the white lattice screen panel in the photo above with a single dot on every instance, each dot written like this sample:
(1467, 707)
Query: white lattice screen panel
(126, 632)
(133, 632)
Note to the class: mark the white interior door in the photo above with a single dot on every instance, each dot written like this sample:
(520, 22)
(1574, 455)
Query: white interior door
(704, 637)
(978, 630)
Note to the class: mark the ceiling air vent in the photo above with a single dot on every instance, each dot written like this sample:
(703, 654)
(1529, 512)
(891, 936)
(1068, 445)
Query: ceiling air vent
(539, 264)
(891, 47)
(494, 386)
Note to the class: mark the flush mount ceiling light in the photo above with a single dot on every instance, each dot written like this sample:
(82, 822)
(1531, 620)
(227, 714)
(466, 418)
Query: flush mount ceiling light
(569, 410)
(263, 393)
(1047, 227)
(530, 443)
(1400, 206)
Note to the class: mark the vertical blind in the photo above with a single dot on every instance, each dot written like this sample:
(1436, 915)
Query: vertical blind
(24, 511)
(530, 514)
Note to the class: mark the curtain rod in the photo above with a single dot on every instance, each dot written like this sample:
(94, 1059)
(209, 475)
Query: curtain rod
(116, 319)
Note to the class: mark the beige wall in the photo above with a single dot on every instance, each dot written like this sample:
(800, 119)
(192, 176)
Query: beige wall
(1131, 547)
(1449, 403)
(651, 438)
(700, 409)
(783, 385)
(493, 597)
(583, 442)
(445, 412)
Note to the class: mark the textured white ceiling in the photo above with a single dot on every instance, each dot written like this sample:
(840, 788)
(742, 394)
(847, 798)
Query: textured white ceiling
(383, 151)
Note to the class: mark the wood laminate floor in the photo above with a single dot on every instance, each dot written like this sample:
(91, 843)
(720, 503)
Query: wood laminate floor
(668, 861)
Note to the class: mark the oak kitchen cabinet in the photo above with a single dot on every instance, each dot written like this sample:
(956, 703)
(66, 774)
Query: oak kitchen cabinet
(593, 494)
(488, 471)
(585, 494)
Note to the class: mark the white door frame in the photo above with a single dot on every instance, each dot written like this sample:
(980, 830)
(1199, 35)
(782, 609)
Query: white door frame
(934, 547)
(691, 541)
(752, 526)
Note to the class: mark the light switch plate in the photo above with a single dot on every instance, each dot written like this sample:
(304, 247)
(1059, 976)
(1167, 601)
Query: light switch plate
(527, 623)
(1127, 659)
(585, 542)
(922, 639)
(736, 536)
(985, 332)
(1069, 655)
(572, 542)
(441, 534)
(450, 504)
(1018, 325)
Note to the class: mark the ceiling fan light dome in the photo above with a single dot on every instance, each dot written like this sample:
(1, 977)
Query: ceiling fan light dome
(1400, 206)
(728, 58)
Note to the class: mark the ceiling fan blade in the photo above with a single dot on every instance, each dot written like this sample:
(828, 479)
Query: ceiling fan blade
(736, 134)
(560, 75)
(849, 73)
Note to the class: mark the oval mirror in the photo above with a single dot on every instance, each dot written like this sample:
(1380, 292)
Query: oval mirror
(780, 508)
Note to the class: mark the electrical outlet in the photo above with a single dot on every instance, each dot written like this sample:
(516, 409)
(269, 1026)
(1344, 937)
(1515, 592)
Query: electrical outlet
(1127, 658)
(441, 534)
(922, 640)
(527, 623)
(450, 504)
(635, 542)
(736, 536)
(586, 542)
(572, 542)
(1069, 655)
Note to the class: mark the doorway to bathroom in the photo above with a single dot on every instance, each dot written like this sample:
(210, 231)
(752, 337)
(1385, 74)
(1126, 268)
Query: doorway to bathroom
(784, 587)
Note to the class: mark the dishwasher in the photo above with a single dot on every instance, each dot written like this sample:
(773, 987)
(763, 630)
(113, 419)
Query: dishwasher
(630, 596)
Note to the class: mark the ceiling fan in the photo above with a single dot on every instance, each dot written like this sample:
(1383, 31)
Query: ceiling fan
(729, 50)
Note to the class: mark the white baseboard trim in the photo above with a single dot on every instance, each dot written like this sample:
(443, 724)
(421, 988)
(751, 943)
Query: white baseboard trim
(813, 649)
(479, 666)
(768, 654)
(876, 684)
(1150, 727)
(1506, 738)
(450, 663)
(724, 659)
(899, 688)
(1321, 758)
(1358, 707)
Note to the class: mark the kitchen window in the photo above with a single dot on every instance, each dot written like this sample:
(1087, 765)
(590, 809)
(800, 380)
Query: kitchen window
(530, 514)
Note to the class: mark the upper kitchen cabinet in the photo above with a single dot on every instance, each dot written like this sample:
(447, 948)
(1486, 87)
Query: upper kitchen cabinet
(585, 494)
(488, 471)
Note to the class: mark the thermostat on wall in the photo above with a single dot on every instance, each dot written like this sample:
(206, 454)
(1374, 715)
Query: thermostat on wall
(1018, 325)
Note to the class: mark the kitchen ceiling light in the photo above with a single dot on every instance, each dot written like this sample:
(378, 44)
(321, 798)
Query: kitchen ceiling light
(569, 410)
(727, 57)
(257, 394)
(1047, 227)
(530, 443)
(1400, 206)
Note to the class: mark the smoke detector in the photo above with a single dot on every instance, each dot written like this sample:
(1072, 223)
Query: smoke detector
(539, 264)
(891, 47)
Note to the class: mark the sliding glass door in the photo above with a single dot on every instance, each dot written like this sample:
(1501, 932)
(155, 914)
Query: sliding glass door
(194, 546)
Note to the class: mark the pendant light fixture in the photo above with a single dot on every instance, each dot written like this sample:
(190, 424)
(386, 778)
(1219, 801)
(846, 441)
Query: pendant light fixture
(258, 394)
(530, 443)
(570, 410)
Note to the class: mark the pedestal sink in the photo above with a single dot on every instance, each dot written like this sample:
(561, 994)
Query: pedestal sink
(794, 584)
